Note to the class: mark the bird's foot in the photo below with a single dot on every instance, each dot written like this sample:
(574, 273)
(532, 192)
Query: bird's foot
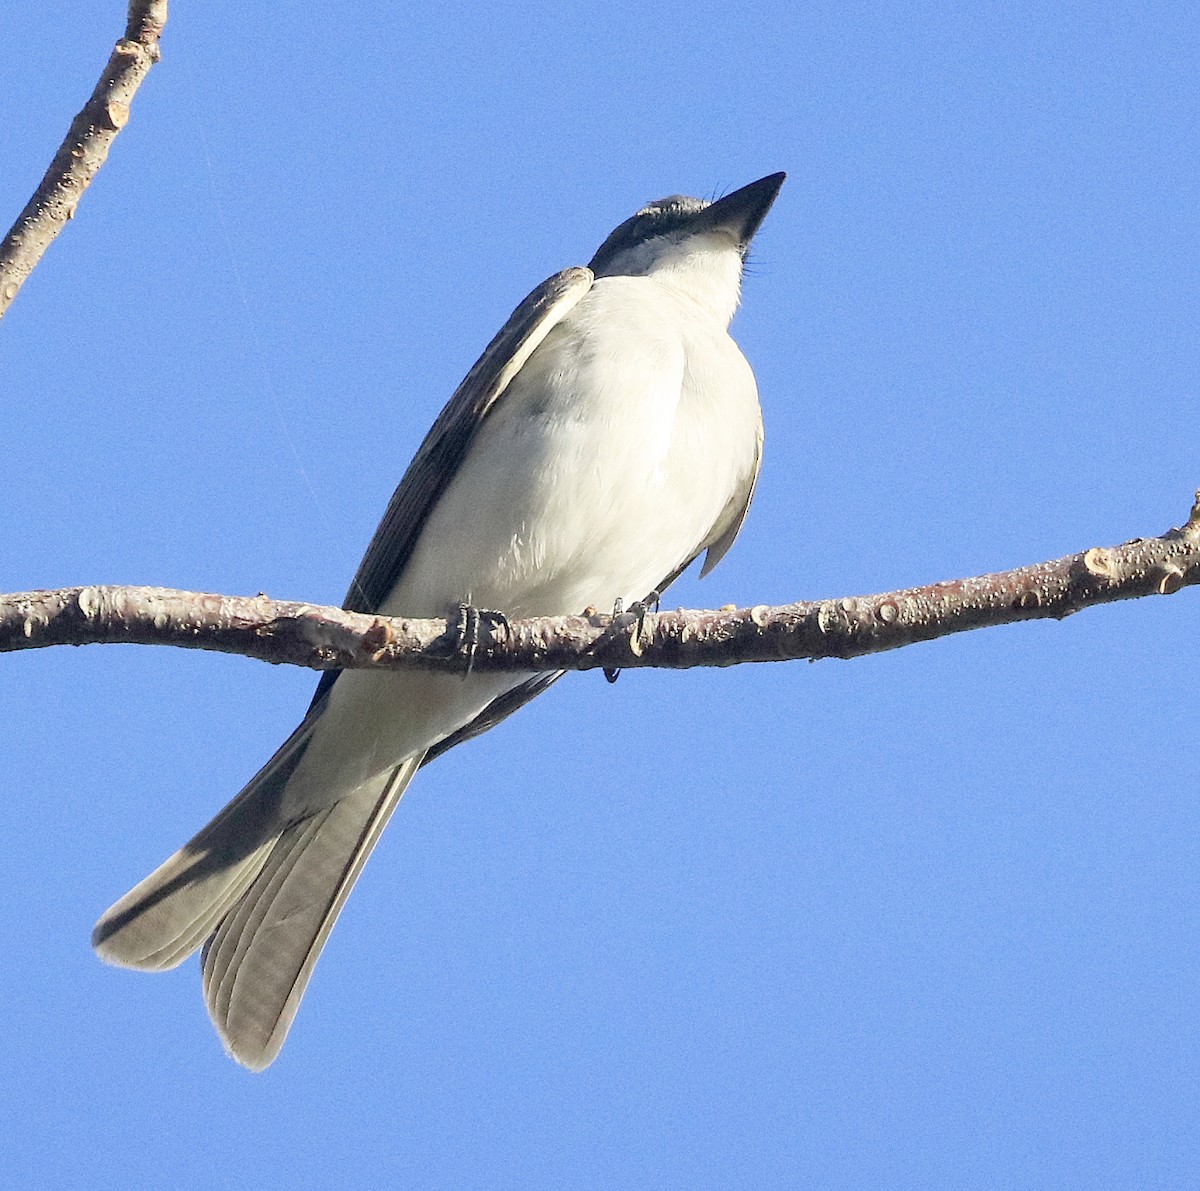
(635, 618)
(469, 621)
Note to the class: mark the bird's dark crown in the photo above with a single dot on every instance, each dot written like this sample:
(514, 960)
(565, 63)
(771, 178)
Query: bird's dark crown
(659, 218)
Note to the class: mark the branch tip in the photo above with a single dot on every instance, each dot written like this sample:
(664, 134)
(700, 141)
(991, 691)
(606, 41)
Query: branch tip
(84, 149)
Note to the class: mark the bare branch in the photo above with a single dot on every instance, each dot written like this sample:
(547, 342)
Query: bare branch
(85, 149)
(330, 638)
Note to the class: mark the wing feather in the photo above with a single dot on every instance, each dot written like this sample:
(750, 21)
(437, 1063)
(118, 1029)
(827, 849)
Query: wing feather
(445, 446)
(738, 509)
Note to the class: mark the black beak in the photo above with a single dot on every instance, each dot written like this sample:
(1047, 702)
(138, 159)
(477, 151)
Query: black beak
(742, 212)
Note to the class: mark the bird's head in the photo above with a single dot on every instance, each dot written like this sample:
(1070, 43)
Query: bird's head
(691, 243)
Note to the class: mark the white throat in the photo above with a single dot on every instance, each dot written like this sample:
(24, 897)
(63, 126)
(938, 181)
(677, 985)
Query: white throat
(708, 268)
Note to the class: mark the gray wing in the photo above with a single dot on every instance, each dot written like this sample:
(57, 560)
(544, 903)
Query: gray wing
(441, 454)
(498, 709)
(736, 510)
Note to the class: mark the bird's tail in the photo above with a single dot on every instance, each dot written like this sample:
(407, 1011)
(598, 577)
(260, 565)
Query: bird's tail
(258, 962)
(260, 893)
(162, 920)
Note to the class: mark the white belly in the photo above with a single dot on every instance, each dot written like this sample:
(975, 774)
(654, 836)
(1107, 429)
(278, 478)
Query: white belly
(608, 463)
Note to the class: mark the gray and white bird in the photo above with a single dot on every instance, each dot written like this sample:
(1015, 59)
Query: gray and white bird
(608, 436)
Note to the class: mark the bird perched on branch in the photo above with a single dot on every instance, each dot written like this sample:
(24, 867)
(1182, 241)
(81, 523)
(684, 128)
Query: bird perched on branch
(608, 436)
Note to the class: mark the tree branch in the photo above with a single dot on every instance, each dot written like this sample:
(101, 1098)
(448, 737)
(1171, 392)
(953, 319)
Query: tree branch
(85, 149)
(330, 638)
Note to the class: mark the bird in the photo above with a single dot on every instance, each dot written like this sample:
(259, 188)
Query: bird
(609, 435)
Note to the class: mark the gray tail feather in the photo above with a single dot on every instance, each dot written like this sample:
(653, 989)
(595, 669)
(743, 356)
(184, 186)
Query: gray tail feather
(258, 961)
(162, 920)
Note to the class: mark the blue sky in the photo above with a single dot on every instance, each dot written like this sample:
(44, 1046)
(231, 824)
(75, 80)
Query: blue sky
(922, 920)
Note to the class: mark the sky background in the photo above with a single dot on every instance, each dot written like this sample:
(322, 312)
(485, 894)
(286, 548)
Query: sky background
(923, 920)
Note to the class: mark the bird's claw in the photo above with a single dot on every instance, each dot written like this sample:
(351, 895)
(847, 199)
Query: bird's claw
(638, 609)
(469, 621)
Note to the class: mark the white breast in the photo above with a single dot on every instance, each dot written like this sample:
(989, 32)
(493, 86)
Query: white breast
(606, 465)
(613, 458)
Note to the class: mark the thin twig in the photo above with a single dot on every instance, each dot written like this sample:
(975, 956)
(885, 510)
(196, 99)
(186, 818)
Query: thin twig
(85, 148)
(331, 639)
